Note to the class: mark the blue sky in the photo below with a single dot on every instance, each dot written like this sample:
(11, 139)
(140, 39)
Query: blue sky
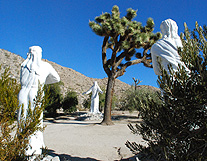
(61, 28)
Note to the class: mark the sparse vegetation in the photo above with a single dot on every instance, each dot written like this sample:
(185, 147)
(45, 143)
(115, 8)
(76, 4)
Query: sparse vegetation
(133, 98)
(7, 55)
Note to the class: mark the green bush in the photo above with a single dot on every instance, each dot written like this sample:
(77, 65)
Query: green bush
(14, 142)
(132, 99)
(70, 102)
(177, 129)
(9, 90)
(87, 102)
(54, 99)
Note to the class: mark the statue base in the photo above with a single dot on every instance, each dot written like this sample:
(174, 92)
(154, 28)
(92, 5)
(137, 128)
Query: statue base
(46, 158)
(51, 158)
(90, 116)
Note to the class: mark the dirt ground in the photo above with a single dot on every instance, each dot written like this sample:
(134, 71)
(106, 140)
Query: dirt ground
(75, 140)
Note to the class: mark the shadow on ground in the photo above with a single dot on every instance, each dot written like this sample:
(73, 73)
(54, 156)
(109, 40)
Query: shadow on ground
(81, 119)
(67, 157)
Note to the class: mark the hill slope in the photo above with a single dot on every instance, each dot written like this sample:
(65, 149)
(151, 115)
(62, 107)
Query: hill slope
(71, 78)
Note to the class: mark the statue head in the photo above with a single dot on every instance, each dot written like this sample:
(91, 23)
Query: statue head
(169, 29)
(34, 57)
(36, 53)
(95, 84)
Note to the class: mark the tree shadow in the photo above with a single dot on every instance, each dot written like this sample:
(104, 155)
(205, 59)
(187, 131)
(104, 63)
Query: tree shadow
(64, 115)
(134, 158)
(67, 157)
(126, 118)
(71, 123)
(123, 117)
(81, 119)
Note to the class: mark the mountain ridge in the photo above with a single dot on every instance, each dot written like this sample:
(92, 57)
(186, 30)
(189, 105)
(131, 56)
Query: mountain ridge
(71, 79)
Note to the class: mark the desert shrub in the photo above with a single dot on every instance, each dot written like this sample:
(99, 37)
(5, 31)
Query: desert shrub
(102, 100)
(14, 142)
(9, 90)
(133, 98)
(70, 102)
(54, 99)
(177, 129)
(87, 102)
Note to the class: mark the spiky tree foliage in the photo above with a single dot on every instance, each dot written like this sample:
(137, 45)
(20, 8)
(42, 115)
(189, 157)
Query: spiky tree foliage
(122, 36)
(14, 140)
(177, 129)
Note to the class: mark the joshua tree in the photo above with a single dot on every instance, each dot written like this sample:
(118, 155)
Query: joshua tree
(136, 82)
(122, 36)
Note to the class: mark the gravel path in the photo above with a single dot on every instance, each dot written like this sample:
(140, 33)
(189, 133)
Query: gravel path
(88, 140)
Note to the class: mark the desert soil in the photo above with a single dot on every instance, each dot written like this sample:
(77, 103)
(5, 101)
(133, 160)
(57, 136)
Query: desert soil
(76, 140)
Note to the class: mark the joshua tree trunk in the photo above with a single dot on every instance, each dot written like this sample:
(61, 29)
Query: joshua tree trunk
(108, 101)
(122, 37)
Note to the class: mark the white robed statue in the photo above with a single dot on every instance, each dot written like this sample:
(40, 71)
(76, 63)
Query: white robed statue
(34, 71)
(95, 89)
(165, 50)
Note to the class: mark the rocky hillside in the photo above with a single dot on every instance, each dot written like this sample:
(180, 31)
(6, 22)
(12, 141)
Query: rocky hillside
(71, 78)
